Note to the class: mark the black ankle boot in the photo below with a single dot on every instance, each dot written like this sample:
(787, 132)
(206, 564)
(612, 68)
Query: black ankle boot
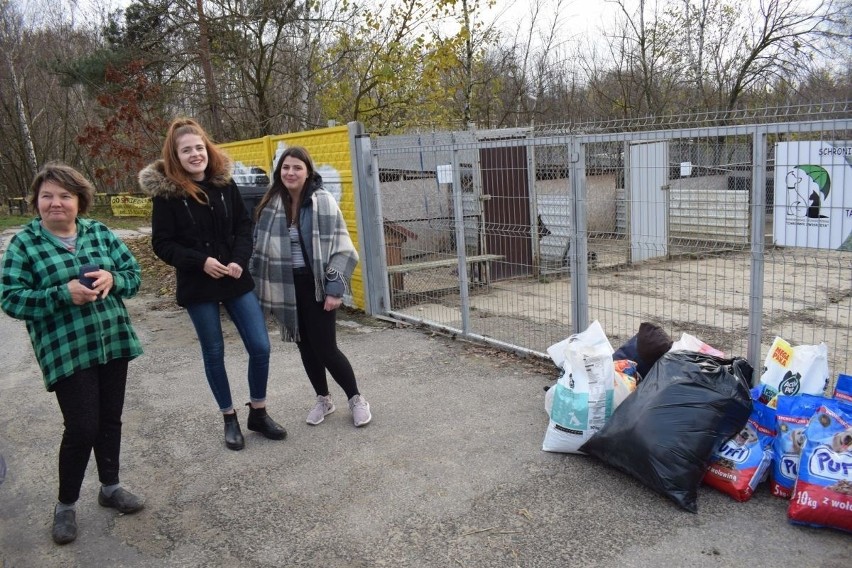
(233, 436)
(259, 421)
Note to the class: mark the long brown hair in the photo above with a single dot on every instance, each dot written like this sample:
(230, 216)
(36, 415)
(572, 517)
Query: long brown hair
(217, 162)
(68, 179)
(277, 186)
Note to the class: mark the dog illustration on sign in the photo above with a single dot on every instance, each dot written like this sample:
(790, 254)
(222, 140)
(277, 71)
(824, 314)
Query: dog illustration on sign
(797, 188)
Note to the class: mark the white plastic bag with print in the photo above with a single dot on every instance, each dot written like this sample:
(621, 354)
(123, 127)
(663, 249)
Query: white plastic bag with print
(796, 370)
(583, 395)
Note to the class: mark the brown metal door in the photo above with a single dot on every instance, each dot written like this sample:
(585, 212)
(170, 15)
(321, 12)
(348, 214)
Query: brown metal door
(506, 210)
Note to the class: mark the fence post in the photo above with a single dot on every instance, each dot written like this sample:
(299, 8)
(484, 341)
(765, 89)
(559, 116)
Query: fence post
(533, 195)
(758, 246)
(461, 248)
(368, 209)
(579, 237)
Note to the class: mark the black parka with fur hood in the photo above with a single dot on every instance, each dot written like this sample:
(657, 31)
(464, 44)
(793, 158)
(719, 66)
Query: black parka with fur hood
(185, 233)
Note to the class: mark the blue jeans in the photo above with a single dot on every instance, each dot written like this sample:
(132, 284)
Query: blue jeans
(250, 322)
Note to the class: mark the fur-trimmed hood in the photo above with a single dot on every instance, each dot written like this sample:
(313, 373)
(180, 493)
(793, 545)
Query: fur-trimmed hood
(153, 181)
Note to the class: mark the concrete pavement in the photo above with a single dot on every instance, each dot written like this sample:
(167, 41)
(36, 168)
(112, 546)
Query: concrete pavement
(449, 473)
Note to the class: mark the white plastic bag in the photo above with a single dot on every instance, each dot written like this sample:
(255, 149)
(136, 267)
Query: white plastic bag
(689, 342)
(796, 370)
(583, 395)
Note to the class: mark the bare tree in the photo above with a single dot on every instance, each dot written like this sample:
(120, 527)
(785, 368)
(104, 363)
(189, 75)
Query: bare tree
(11, 38)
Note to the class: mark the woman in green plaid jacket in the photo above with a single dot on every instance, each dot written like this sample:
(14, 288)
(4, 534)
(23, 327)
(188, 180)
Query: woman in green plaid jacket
(79, 328)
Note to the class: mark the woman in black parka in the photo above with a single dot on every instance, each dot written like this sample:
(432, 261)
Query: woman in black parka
(201, 227)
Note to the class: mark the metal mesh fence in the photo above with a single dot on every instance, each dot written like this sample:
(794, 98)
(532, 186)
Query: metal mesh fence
(678, 226)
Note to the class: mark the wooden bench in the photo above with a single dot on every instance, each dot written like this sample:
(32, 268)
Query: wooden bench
(480, 259)
(426, 264)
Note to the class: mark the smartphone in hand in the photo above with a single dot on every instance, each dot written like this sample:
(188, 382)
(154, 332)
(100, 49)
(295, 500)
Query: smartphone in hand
(86, 280)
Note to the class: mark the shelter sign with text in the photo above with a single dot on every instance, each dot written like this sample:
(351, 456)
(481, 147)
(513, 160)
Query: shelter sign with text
(813, 194)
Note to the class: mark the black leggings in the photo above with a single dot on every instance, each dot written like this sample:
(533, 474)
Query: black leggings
(91, 401)
(318, 344)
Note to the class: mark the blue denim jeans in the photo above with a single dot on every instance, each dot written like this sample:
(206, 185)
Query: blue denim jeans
(250, 322)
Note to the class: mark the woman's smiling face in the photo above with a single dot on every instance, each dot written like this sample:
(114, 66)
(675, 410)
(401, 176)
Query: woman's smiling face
(294, 173)
(192, 153)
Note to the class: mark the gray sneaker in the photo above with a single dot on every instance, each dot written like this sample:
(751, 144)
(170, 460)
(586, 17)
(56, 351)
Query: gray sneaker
(360, 410)
(321, 409)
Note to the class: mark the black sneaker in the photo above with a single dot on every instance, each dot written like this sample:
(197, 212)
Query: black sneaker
(122, 500)
(64, 526)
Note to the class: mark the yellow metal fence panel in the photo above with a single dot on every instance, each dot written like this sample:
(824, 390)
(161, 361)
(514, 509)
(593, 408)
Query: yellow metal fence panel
(329, 148)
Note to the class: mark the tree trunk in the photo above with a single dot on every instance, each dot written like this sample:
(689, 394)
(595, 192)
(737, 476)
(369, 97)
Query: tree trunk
(26, 137)
(207, 69)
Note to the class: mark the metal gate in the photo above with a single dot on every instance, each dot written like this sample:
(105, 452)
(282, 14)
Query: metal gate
(575, 227)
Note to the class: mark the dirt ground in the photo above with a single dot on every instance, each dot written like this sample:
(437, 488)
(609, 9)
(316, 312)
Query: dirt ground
(449, 473)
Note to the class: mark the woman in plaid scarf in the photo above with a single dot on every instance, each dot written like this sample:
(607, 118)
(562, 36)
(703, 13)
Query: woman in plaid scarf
(303, 259)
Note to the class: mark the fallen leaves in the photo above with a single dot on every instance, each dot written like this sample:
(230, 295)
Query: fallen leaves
(158, 278)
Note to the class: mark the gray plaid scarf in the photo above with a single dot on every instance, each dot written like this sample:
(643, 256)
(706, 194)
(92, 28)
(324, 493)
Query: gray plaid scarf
(333, 257)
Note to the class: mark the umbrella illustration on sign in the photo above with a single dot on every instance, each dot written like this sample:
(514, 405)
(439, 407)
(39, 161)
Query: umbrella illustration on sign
(820, 177)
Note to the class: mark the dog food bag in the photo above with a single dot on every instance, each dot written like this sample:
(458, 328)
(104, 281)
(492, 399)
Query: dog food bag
(791, 420)
(742, 462)
(822, 496)
(796, 370)
(843, 388)
(583, 395)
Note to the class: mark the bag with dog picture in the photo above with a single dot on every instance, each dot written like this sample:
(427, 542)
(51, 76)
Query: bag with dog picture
(583, 396)
(792, 414)
(822, 495)
(742, 462)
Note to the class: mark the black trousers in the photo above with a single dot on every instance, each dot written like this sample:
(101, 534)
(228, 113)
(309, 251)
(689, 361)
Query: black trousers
(318, 341)
(91, 401)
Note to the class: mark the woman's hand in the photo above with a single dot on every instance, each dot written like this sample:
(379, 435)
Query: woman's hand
(332, 303)
(215, 269)
(80, 294)
(103, 282)
(235, 270)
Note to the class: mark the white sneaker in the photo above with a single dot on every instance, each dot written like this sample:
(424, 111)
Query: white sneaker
(321, 409)
(360, 410)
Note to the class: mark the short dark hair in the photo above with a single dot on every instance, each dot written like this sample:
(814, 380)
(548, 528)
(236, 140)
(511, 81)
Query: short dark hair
(67, 178)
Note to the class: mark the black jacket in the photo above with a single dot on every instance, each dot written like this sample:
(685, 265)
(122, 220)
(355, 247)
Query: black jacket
(186, 233)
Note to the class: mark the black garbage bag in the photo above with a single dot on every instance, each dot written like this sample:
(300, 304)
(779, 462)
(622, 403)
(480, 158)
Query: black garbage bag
(665, 432)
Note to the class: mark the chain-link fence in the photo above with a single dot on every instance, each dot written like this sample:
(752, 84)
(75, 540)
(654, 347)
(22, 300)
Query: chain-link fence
(673, 223)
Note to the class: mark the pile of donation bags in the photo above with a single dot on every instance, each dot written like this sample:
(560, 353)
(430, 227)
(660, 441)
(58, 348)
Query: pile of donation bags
(675, 413)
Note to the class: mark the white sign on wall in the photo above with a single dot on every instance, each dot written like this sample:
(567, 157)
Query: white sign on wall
(813, 194)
